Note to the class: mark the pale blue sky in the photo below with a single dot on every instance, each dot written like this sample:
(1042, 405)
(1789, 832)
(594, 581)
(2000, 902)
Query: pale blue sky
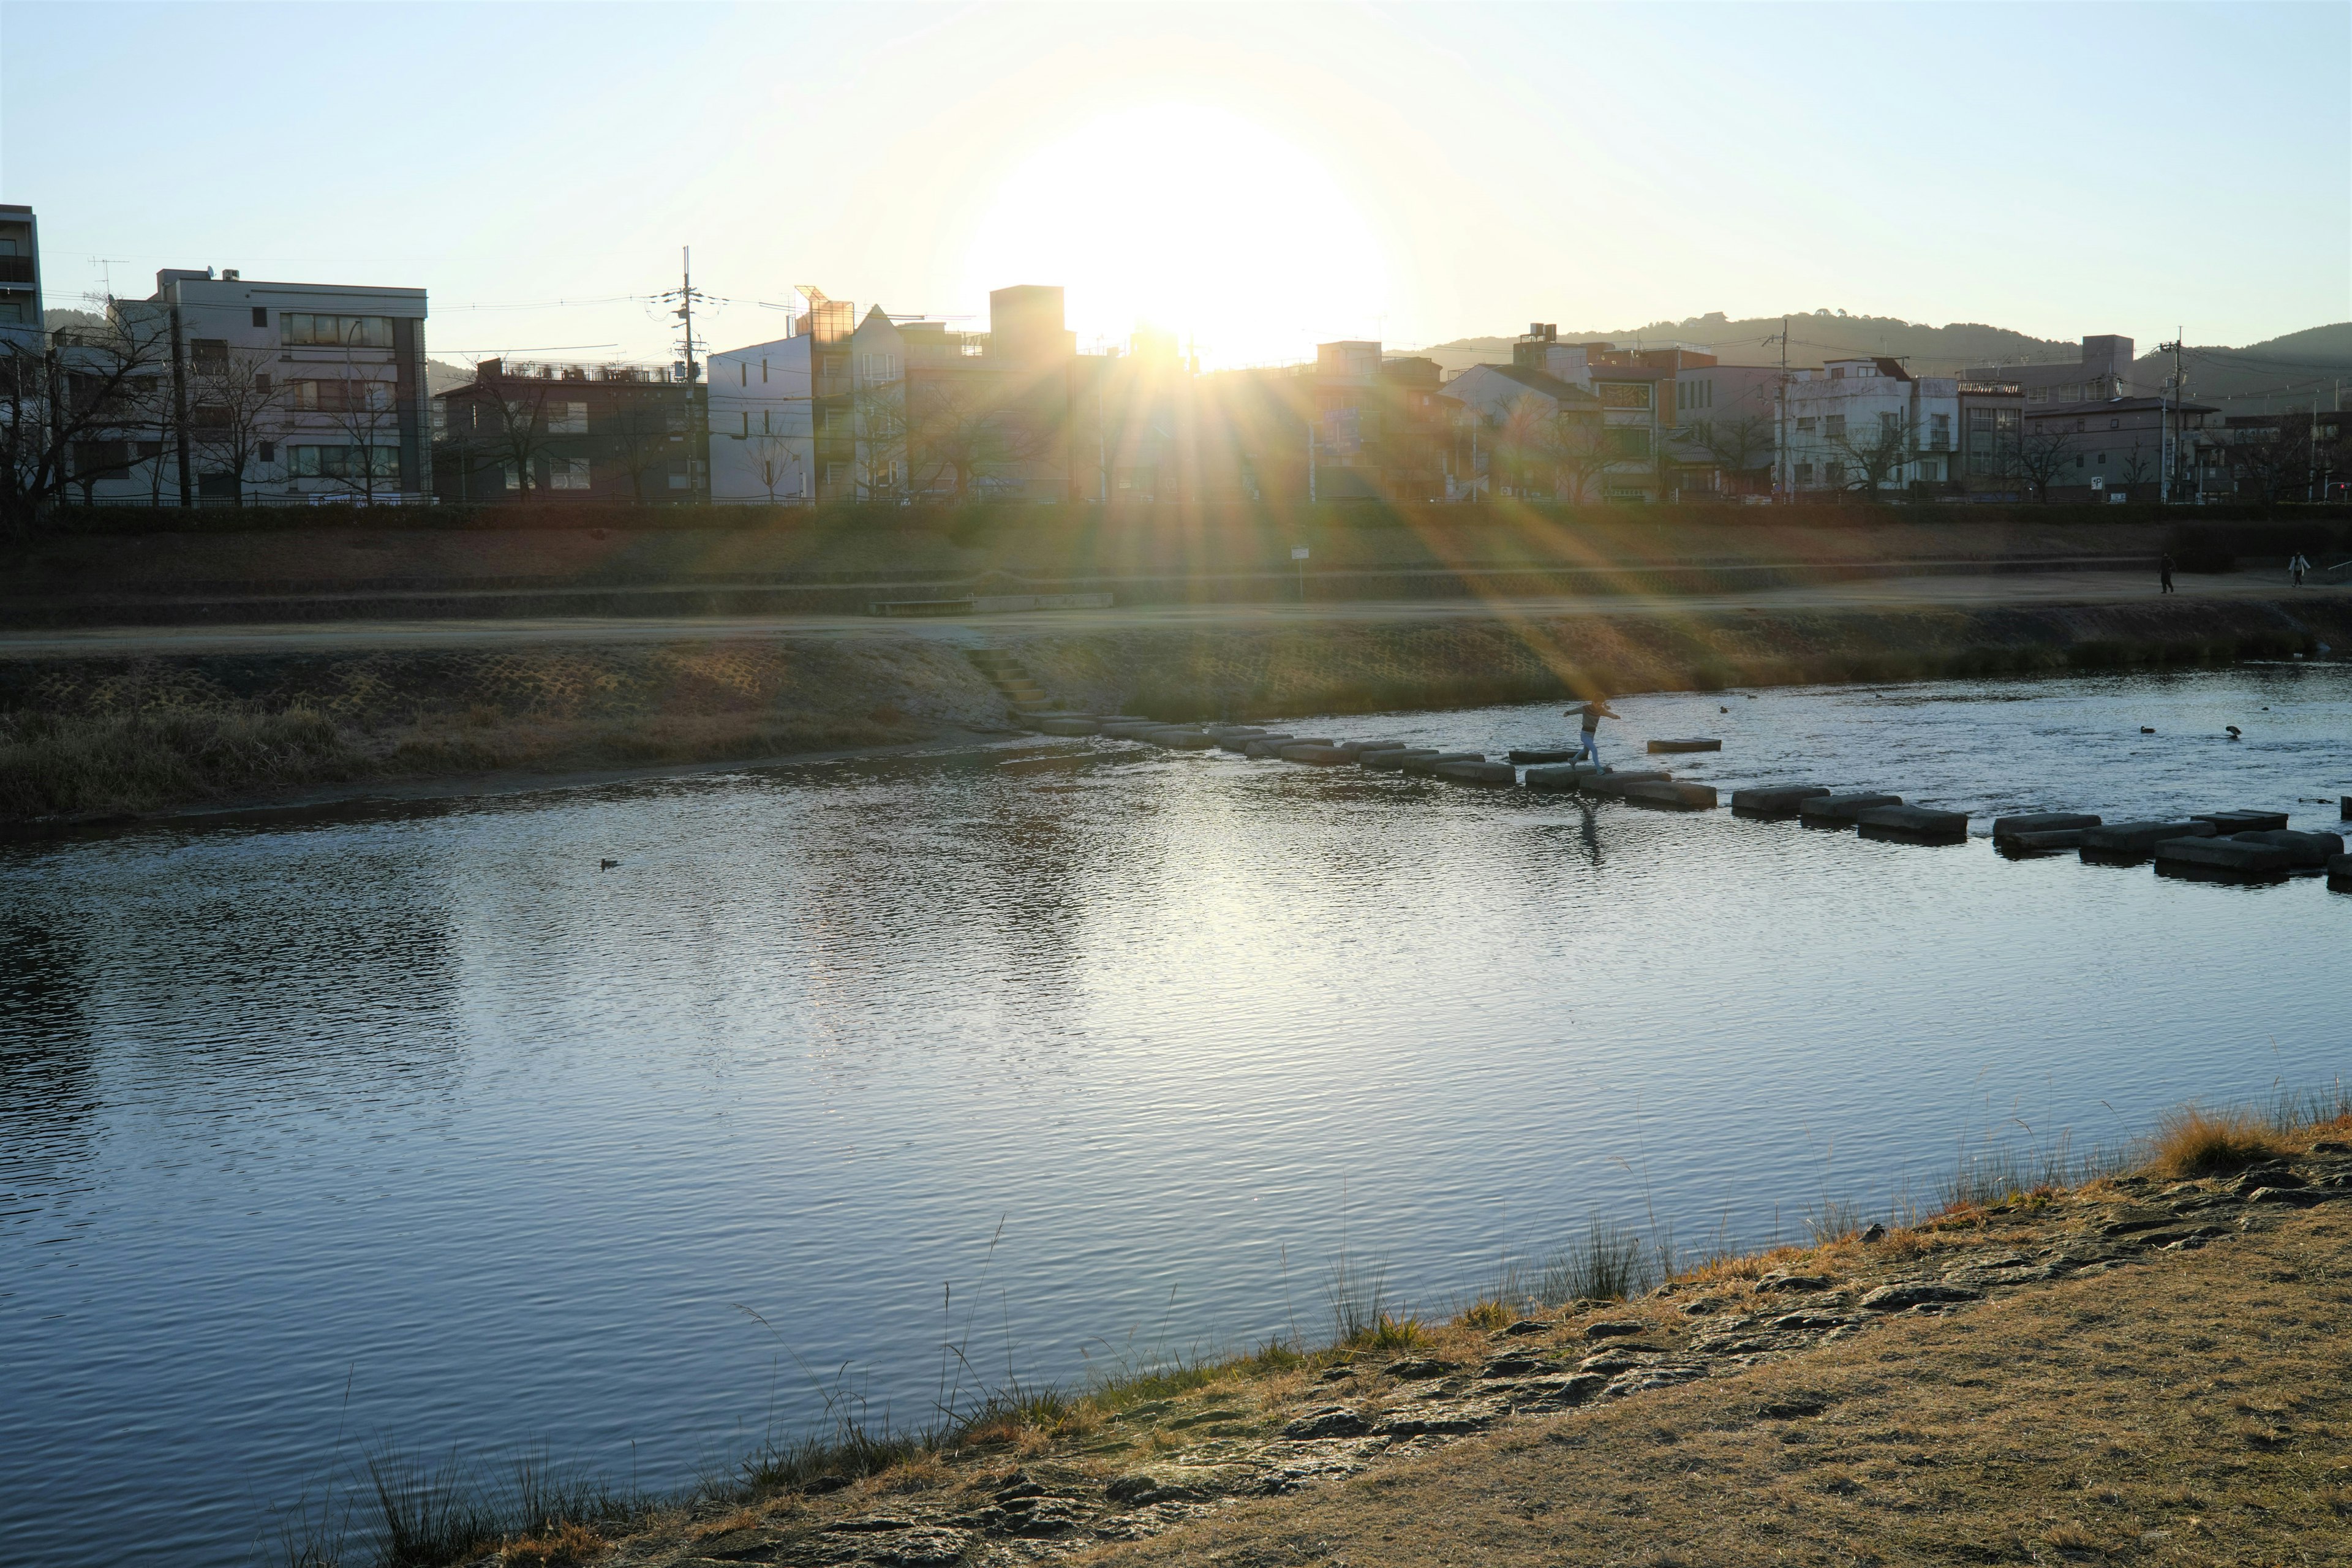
(1258, 176)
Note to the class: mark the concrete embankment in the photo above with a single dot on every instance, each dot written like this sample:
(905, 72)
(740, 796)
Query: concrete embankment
(142, 730)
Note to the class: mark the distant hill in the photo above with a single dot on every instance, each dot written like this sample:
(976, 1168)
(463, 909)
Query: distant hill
(2281, 372)
(2278, 372)
(1813, 336)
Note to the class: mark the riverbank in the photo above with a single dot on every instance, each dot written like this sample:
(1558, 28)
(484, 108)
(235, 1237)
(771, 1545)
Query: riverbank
(219, 719)
(2143, 1366)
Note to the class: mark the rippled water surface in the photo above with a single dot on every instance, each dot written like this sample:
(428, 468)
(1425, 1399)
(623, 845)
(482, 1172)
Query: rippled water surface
(426, 1130)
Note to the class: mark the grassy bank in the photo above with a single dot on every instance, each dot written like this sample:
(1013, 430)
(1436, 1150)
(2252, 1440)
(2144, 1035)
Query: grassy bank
(2187, 1359)
(96, 736)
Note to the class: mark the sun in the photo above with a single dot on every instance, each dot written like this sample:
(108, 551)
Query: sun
(1191, 219)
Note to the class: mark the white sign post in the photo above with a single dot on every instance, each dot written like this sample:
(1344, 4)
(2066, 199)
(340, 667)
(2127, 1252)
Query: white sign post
(1299, 553)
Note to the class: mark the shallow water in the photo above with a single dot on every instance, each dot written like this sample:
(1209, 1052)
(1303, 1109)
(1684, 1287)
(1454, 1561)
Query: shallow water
(424, 1129)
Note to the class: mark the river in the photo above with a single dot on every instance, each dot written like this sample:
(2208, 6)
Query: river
(422, 1129)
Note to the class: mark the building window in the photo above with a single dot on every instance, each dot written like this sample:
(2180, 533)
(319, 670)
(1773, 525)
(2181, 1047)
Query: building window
(341, 396)
(1805, 427)
(1632, 443)
(567, 473)
(747, 422)
(208, 351)
(764, 372)
(1804, 473)
(1834, 426)
(567, 419)
(1833, 472)
(306, 330)
(2037, 394)
(764, 430)
(1886, 424)
(268, 452)
(1625, 394)
(306, 462)
(743, 372)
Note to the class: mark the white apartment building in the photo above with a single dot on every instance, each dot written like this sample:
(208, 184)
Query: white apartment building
(1854, 414)
(762, 430)
(271, 392)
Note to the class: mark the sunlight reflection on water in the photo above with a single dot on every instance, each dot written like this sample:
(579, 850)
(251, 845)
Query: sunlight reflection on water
(430, 1106)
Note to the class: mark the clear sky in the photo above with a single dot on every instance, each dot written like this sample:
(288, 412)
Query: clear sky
(1257, 177)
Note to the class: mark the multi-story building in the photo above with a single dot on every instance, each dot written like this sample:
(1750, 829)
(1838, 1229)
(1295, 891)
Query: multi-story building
(20, 275)
(270, 392)
(1991, 419)
(1868, 423)
(2104, 372)
(575, 432)
(1726, 428)
(2114, 449)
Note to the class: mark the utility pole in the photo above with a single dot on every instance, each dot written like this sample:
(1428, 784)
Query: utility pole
(1781, 466)
(180, 404)
(698, 423)
(2169, 399)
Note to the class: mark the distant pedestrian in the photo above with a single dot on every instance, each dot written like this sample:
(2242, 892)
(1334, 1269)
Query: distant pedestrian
(2164, 569)
(1591, 713)
(2296, 566)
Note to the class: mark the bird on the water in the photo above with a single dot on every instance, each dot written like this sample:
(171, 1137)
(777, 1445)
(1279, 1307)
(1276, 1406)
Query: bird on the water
(606, 865)
(2232, 729)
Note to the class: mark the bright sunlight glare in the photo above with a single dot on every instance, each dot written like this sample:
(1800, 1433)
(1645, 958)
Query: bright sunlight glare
(1192, 220)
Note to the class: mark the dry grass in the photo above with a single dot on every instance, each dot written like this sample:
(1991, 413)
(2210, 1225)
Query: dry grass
(2191, 1141)
(565, 1545)
(2190, 1410)
(56, 765)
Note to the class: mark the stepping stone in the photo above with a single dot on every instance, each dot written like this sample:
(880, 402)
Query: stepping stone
(1271, 745)
(2339, 873)
(1391, 761)
(1237, 740)
(2312, 851)
(1670, 796)
(1357, 748)
(1429, 765)
(2129, 843)
(1840, 810)
(2210, 860)
(2241, 821)
(1130, 729)
(1523, 755)
(2019, 846)
(1913, 824)
(1479, 773)
(1181, 739)
(1617, 783)
(1067, 727)
(1694, 743)
(1773, 803)
(1558, 779)
(2040, 822)
(1317, 754)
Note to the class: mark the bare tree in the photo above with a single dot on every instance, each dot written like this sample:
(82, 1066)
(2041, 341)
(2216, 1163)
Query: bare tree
(362, 407)
(961, 430)
(76, 388)
(234, 408)
(1874, 454)
(1579, 450)
(1738, 446)
(2037, 457)
(878, 413)
(508, 431)
(2272, 461)
(773, 461)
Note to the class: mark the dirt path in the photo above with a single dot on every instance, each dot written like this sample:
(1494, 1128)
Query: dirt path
(2012, 589)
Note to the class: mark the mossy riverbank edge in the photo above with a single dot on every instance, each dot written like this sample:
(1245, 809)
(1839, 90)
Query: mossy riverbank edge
(115, 737)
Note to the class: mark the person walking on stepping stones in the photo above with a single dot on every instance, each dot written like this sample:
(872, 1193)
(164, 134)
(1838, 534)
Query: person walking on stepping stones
(1591, 713)
(2164, 569)
(2297, 566)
